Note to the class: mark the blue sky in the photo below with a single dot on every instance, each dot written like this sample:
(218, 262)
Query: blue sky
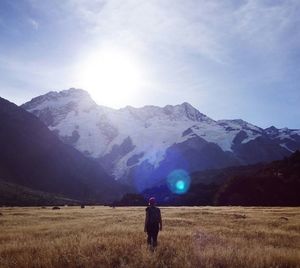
(229, 59)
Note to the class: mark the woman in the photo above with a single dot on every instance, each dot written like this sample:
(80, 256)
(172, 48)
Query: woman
(153, 223)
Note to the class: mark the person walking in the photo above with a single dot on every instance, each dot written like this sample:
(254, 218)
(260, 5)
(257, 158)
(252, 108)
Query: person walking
(153, 223)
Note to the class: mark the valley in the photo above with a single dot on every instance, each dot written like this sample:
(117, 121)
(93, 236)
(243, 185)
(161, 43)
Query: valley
(113, 237)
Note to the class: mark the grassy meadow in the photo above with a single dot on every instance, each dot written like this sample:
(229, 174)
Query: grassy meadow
(114, 237)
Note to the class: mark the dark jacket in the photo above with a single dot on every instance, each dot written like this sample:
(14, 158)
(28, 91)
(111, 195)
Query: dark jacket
(153, 218)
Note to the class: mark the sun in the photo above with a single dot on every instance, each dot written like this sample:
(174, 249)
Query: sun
(113, 77)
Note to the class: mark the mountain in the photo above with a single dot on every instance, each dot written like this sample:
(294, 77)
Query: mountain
(33, 157)
(141, 146)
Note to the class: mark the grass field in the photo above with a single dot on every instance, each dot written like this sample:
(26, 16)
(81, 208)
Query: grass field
(114, 237)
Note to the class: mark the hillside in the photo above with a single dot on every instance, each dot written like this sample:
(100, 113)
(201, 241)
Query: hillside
(273, 184)
(32, 156)
(17, 195)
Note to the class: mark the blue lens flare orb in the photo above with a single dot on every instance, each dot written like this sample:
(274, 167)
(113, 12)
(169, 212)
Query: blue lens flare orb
(180, 185)
(179, 181)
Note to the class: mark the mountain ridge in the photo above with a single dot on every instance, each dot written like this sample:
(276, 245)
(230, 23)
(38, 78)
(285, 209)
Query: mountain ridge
(131, 140)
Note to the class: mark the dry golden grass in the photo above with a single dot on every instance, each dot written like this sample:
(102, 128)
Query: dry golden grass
(192, 237)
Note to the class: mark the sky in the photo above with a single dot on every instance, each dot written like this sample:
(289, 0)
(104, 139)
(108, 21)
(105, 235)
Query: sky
(230, 59)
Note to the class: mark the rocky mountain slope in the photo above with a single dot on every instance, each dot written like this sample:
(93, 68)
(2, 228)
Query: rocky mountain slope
(143, 145)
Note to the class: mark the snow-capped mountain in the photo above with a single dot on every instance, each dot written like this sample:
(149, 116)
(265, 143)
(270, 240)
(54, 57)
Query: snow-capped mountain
(142, 145)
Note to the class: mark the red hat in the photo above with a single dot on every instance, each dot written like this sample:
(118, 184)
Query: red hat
(152, 200)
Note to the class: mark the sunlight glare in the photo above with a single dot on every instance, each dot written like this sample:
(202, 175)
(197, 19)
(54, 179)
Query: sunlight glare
(112, 76)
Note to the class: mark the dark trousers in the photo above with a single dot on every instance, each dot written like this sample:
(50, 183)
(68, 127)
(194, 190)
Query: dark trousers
(152, 232)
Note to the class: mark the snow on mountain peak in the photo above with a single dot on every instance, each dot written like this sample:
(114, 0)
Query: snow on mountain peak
(239, 124)
(74, 91)
(271, 130)
(129, 136)
(186, 110)
(282, 133)
(53, 99)
(54, 106)
(180, 112)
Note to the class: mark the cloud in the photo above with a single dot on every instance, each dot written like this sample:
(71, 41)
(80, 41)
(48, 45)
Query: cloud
(210, 29)
(264, 24)
(163, 25)
(194, 49)
(35, 25)
(201, 47)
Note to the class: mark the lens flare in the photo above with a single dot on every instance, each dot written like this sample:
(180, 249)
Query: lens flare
(180, 185)
(179, 181)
